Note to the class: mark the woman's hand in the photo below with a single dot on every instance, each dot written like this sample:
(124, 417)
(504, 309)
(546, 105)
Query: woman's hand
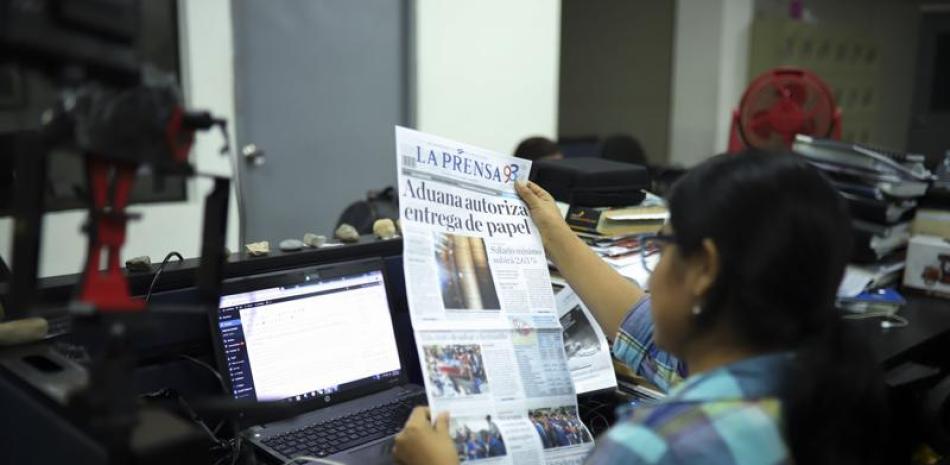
(544, 211)
(608, 294)
(421, 443)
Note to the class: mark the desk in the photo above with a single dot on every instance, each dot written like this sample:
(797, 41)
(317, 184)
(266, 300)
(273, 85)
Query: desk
(929, 327)
(929, 317)
(924, 338)
(178, 275)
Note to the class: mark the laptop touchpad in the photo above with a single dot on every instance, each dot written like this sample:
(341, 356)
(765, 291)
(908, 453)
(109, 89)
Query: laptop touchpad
(377, 453)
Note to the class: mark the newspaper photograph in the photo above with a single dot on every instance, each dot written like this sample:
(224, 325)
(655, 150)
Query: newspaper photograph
(482, 306)
(586, 348)
(477, 438)
(455, 370)
(497, 385)
(559, 427)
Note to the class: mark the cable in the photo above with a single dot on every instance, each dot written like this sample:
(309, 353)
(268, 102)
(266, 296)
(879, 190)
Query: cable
(168, 393)
(197, 419)
(161, 268)
(594, 414)
(889, 320)
(236, 447)
(309, 459)
(224, 387)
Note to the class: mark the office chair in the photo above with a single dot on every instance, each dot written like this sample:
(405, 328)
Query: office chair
(623, 148)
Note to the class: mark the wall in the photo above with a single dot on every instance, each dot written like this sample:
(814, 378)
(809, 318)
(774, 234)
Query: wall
(487, 71)
(711, 61)
(615, 73)
(710, 65)
(486, 74)
(894, 80)
(205, 33)
(710, 50)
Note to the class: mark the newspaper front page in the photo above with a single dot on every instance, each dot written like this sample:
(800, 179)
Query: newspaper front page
(486, 322)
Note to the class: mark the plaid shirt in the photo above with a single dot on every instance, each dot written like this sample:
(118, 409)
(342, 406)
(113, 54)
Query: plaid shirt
(634, 346)
(728, 416)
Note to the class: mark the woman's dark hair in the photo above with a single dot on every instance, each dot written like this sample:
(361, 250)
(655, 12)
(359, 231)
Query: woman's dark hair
(536, 148)
(783, 237)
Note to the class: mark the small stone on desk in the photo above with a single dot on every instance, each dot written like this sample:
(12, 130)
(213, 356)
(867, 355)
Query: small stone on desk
(347, 233)
(256, 249)
(290, 245)
(314, 240)
(384, 229)
(142, 263)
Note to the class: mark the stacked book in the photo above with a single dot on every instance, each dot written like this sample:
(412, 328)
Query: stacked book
(882, 189)
(617, 221)
(614, 232)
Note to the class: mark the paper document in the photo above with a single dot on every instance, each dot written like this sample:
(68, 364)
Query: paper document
(859, 278)
(482, 307)
(588, 355)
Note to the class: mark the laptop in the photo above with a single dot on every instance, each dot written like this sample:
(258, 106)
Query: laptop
(322, 339)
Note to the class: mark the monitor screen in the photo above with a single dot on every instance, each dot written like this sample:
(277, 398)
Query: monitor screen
(310, 338)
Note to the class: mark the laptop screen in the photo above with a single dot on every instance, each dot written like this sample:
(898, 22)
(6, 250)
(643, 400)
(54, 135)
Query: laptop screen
(308, 338)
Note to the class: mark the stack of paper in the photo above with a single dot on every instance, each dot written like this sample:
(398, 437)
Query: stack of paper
(624, 255)
(881, 188)
(859, 278)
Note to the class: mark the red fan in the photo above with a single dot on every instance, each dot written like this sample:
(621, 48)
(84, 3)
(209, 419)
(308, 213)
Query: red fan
(781, 103)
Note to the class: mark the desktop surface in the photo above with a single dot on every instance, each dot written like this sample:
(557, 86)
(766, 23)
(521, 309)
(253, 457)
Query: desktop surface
(928, 327)
(925, 337)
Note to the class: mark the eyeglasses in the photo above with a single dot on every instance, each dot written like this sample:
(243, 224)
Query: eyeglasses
(653, 244)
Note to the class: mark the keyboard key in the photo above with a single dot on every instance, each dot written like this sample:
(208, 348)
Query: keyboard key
(345, 432)
(356, 442)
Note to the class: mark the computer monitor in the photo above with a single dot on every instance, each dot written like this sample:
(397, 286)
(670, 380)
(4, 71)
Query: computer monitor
(324, 335)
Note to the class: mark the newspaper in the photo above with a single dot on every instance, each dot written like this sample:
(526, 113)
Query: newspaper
(588, 355)
(485, 318)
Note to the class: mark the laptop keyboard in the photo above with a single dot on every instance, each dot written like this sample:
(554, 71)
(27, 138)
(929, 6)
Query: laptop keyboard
(338, 434)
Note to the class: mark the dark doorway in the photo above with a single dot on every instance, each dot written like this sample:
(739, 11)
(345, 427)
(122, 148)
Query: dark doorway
(929, 131)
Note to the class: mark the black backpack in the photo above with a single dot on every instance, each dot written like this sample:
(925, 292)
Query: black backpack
(377, 205)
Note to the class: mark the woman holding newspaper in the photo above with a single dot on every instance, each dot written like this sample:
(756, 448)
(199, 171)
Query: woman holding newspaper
(742, 307)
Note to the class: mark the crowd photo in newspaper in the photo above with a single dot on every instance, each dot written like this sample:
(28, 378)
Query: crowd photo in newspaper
(455, 370)
(476, 438)
(559, 427)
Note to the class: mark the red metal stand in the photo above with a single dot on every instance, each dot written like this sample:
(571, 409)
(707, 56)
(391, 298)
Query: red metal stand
(107, 290)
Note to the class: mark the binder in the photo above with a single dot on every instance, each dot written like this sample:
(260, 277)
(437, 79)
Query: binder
(869, 247)
(885, 301)
(617, 221)
(862, 157)
(879, 210)
(880, 190)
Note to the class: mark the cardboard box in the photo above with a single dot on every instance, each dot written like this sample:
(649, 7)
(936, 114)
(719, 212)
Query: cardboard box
(928, 264)
(932, 223)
